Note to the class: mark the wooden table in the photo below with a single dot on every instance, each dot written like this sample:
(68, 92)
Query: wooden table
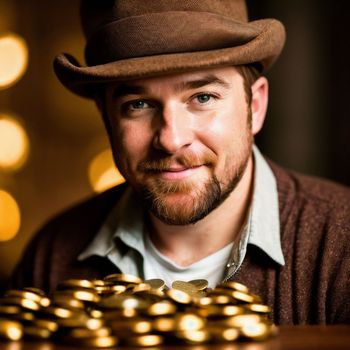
(289, 338)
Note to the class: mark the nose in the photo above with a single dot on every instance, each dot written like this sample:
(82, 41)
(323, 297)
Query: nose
(174, 129)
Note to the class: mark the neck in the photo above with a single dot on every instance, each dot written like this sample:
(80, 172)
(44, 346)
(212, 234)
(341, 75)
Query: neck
(190, 243)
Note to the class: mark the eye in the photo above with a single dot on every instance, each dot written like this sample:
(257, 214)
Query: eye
(136, 107)
(203, 98)
(139, 104)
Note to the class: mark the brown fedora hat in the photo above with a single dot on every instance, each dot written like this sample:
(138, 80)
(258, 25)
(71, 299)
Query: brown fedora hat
(131, 39)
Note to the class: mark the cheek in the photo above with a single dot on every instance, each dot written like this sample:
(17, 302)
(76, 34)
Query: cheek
(131, 142)
(224, 130)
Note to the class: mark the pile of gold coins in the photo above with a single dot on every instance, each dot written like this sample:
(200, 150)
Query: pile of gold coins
(123, 310)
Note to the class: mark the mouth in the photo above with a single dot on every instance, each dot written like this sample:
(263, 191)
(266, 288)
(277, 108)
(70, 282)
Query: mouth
(179, 172)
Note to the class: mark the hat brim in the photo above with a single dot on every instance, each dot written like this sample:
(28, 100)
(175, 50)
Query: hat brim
(263, 49)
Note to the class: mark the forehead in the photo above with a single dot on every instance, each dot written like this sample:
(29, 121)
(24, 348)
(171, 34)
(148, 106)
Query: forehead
(224, 76)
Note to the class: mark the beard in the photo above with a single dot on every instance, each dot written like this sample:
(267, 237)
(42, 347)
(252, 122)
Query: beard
(198, 204)
(185, 202)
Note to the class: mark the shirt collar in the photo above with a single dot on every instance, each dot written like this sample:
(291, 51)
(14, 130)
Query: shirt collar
(264, 223)
(125, 222)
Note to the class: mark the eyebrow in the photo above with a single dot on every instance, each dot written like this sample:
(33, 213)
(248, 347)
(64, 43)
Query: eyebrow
(201, 82)
(127, 89)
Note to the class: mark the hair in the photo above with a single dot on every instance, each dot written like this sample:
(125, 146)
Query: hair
(250, 74)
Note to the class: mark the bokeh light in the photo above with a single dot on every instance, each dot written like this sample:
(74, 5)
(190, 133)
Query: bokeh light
(10, 216)
(14, 143)
(13, 59)
(102, 172)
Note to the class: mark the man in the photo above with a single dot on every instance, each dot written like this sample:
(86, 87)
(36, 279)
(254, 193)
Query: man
(180, 89)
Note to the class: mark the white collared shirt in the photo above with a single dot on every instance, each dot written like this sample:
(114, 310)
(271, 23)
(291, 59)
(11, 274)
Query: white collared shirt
(121, 238)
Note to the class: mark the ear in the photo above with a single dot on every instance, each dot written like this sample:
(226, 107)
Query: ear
(260, 97)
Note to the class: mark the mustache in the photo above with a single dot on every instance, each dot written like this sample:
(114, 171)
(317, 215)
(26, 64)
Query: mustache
(187, 160)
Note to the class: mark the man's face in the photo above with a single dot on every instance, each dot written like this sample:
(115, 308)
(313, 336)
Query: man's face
(182, 141)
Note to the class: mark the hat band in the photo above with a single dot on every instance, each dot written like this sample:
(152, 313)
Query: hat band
(165, 33)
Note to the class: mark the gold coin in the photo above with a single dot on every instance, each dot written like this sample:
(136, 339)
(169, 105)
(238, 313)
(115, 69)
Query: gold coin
(59, 312)
(179, 296)
(240, 321)
(75, 284)
(256, 331)
(123, 302)
(23, 295)
(80, 294)
(220, 311)
(45, 302)
(194, 337)
(200, 284)
(110, 288)
(67, 301)
(99, 283)
(135, 326)
(204, 301)
(259, 308)
(23, 316)
(161, 308)
(142, 287)
(24, 303)
(102, 289)
(221, 299)
(257, 299)
(81, 321)
(88, 333)
(235, 286)
(141, 326)
(86, 296)
(220, 334)
(10, 330)
(231, 310)
(189, 322)
(164, 324)
(123, 278)
(52, 326)
(156, 283)
(151, 296)
(145, 340)
(242, 297)
(35, 290)
(214, 300)
(37, 332)
(9, 310)
(94, 313)
(120, 313)
(186, 287)
(117, 289)
(94, 323)
(222, 296)
(95, 342)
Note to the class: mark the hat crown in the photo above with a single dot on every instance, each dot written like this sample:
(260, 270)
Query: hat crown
(98, 13)
(132, 39)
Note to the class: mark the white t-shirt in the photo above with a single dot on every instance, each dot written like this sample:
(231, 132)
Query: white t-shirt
(211, 268)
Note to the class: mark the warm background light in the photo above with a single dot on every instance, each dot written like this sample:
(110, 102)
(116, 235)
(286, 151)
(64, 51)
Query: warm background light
(10, 217)
(13, 59)
(102, 172)
(14, 143)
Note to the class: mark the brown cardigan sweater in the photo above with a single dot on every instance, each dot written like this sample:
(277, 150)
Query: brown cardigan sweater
(312, 288)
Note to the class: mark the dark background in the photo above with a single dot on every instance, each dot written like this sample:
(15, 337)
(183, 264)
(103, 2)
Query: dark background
(307, 127)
